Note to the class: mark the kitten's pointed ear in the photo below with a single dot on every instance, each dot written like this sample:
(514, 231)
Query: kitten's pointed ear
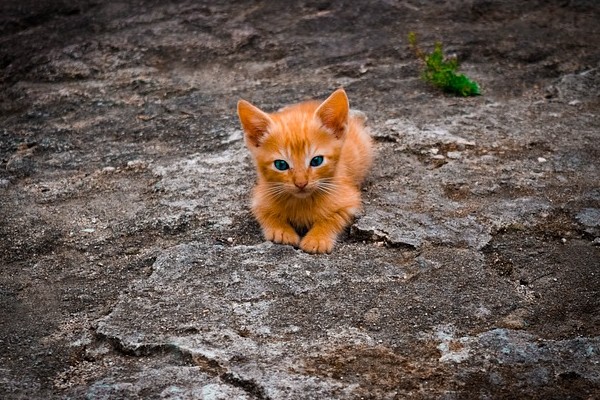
(254, 122)
(333, 113)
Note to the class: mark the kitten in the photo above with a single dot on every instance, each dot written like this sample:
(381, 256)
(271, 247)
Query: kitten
(311, 159)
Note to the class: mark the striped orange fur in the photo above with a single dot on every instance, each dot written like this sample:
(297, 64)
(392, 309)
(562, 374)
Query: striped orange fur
(311, 159)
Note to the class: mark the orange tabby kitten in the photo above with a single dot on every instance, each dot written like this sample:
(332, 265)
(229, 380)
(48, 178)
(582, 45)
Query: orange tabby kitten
(310, 159)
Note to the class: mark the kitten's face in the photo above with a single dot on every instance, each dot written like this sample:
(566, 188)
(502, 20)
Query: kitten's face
(299, 163)
(296, 150)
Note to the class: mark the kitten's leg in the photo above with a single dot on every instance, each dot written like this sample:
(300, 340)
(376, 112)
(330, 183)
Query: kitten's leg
(276, 230)
(321, 237)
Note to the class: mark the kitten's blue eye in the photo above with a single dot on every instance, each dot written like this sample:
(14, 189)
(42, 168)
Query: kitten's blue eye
(281, 165)
(316, 161)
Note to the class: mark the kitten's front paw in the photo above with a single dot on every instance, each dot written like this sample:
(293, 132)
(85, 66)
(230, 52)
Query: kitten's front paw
(283, 236)
(317, 244)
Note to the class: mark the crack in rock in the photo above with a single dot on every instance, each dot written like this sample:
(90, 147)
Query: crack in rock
(375, 235)
(188, 357)
(248, 385)
(401, 228)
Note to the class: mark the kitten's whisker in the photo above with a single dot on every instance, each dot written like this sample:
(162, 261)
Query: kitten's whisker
(274, 190)
(327, 185)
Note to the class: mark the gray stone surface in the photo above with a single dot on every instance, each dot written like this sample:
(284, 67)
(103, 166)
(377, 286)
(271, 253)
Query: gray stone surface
(283, 324)
(132, 267)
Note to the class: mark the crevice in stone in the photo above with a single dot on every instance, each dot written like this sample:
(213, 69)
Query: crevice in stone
(357, 234)
(173, 351)
(185, 357)
(247, 385)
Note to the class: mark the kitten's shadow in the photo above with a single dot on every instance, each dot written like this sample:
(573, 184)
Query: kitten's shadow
(302, 231)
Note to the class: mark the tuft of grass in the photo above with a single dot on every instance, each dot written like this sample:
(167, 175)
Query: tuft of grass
(440, 71)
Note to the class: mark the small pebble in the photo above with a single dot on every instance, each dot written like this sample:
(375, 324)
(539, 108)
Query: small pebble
(108, 170)
(563, 240)
(136, 164)
(515, 320)
(454, 155)
(88, 230)
(372, 316)
(229, 240)
(541, 159)
(488, 158)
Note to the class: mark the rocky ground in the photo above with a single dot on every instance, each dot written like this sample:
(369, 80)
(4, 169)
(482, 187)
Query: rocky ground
(132, 268)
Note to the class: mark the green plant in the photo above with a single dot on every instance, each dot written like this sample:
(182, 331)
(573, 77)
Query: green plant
(440, 71)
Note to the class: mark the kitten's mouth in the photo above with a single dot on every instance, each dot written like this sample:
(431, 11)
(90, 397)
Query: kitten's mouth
(302, 193)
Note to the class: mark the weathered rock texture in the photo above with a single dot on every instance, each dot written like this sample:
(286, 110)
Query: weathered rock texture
(132, 268)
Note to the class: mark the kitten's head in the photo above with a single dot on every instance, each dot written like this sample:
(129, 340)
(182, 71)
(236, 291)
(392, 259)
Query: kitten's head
(296, 150)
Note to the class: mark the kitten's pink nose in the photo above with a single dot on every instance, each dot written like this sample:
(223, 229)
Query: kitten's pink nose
(300, 184)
